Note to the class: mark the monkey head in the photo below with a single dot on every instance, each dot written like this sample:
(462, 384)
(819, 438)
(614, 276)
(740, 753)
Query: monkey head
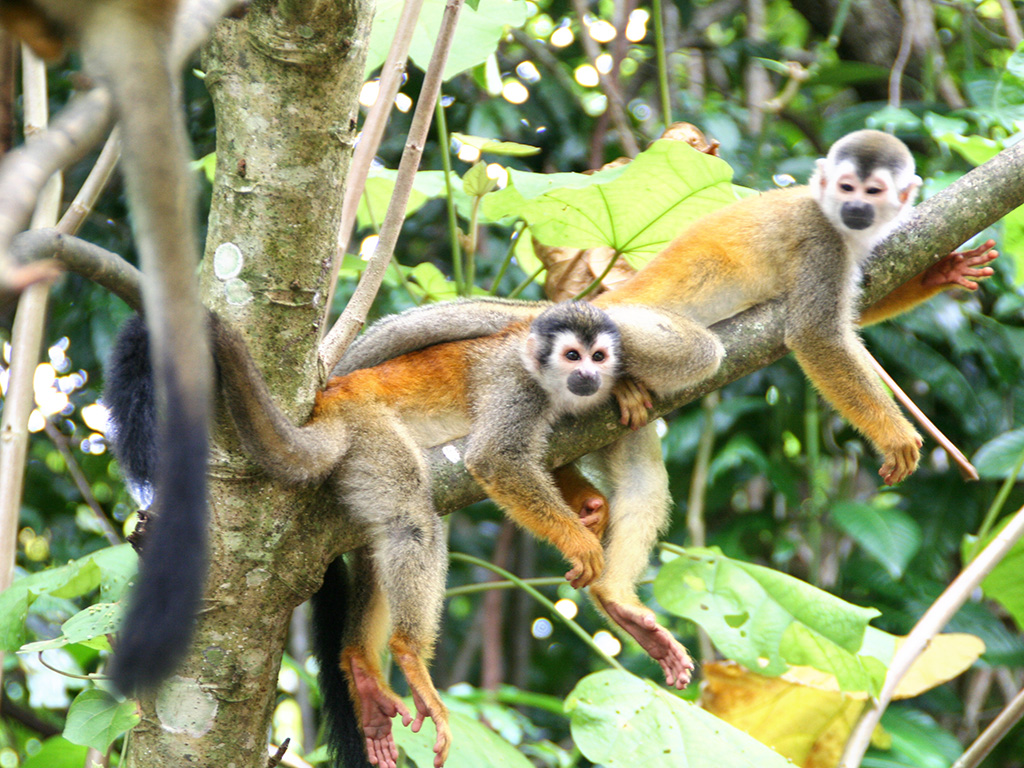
(865, 184)
(573, 351)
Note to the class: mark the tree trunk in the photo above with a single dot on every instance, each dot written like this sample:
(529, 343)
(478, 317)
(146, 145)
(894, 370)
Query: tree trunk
(284, 79)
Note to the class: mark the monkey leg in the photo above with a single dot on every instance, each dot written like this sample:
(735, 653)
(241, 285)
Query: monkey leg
(590, 504)
(388, 489)
(639, 511)
(365, 634)
(664, 351)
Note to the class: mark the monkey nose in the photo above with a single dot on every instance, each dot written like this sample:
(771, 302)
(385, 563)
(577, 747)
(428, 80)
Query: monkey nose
(583, 384)
(857, 215)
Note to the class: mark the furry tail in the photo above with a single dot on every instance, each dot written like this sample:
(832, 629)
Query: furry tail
(341, 731)
(158, 626)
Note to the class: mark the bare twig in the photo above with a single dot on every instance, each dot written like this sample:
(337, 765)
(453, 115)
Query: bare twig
(967, 469)
(906, 45)
(341, 335)
(373, 131)
(61, 442)
(992, 735)
(927, 627)
(1012, 21)
(83, 258)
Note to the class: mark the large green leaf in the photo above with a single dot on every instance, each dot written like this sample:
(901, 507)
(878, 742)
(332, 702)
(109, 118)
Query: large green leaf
(620, 720)
(477, 36)
(996, 459)
(96, 718)
(636, 209)
(890, 536)
(767, 620)
(473, 745)
(1004, 584)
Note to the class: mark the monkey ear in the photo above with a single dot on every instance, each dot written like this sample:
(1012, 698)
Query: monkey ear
(530, 361)
(819, 179)
(908, 193)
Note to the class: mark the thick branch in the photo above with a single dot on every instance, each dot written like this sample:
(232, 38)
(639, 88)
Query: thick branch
(754, 339)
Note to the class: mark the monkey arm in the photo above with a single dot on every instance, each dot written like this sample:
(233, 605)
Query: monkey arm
(959, 268)
(504, 455)
(822, 338)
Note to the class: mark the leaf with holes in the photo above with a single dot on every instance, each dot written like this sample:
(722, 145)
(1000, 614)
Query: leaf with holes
(767, 620)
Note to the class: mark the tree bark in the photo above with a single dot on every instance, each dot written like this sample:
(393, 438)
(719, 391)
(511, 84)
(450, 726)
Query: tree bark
(284, 79)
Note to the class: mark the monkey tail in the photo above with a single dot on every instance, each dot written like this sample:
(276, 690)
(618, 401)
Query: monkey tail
(425, 326)
(158, 625)
(136, 38)
(341, 730)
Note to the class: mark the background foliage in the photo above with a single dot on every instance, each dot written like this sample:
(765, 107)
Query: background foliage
(786, 484)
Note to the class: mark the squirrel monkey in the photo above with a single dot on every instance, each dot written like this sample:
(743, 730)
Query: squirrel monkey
(124, 46)
(505, 391)
(804, 246)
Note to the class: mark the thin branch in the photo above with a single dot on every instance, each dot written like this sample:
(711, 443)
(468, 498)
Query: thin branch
(83, 258)
(992, 735)
(967, 470)
(373, 132)
(927, 627)
(352, 319)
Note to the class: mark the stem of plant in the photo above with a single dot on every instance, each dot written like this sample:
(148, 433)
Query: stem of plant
(575, 628)
(453, 223)
(510, 252)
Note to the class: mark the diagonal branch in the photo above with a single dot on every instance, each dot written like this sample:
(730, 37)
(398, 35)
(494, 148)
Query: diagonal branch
(754, 338)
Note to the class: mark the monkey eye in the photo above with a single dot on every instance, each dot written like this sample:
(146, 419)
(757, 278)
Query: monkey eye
(598, 357)
(572, 354)
(846, 187)
(874, 190)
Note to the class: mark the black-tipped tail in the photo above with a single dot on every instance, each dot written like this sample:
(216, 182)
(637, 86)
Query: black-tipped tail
(341, 731)
(172, 457)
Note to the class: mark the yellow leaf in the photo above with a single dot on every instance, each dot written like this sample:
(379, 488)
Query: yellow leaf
(945, 657)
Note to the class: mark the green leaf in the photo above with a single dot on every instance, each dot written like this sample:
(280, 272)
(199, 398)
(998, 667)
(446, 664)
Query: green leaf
(636, 209)
(997, 458)
(96, 719)
(476, 182)
(620, 720)
(14, 603)
(57, 752)
(1005, 585)
(767, 620)
(477, 35)
(507, 148)
(380, 186)
(473, 745)
(890, 536)
(81, 580)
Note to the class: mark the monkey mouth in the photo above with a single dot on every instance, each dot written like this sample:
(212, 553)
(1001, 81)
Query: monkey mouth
(583, 386)
(857, 217)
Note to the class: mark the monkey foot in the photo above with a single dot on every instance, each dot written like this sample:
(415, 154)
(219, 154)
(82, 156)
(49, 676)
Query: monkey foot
(376, 707)
(657, 641)
(439, 714)
(593, 514)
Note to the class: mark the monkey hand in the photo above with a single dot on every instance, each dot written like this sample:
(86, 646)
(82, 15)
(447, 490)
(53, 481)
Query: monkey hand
(377, 706)
(583, 551)
(901, 457)
(634, 401)
(962, 268)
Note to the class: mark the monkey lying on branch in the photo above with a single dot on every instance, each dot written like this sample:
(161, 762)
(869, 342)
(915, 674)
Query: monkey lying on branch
(802, 246)
(774, 246)
(364, 440)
